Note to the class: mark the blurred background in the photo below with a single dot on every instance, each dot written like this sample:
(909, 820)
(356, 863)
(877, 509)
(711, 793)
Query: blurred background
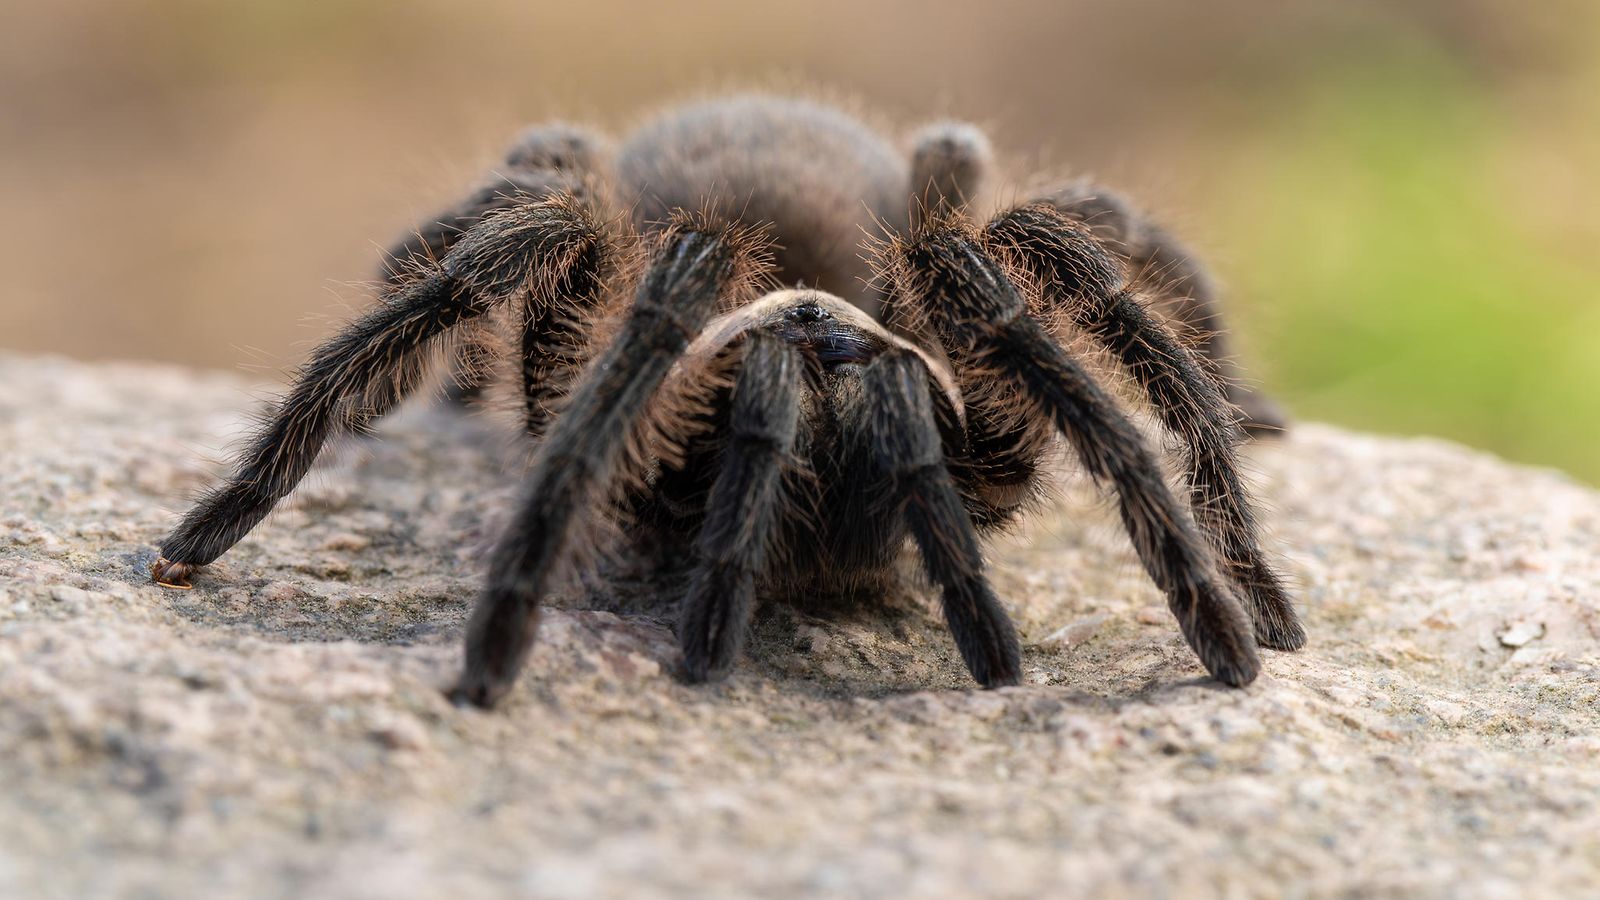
(1401, 197)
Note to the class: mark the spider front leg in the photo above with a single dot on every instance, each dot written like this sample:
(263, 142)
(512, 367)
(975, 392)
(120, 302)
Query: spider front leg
(696, 268)
(1079, 276)
(944, 276)
(543, 162)
(904, 438)
(741, 517)
(380, 358)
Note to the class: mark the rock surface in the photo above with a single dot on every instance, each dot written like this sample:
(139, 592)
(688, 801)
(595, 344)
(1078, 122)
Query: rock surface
(280, 731)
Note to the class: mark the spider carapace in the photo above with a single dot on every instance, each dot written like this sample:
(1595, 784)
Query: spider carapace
(757, 328)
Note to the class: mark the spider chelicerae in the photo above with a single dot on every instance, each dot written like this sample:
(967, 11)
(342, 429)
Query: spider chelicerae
(907, 378)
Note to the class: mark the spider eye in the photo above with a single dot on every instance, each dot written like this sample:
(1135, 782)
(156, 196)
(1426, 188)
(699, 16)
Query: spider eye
(806, 314)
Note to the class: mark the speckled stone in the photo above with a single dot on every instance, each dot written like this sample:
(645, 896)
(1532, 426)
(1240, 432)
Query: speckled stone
(280, 729)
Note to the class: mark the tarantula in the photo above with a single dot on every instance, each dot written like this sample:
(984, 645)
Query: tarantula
(910, 380)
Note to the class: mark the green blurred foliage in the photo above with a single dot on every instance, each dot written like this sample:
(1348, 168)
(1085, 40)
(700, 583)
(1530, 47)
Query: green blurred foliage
(1387, 273)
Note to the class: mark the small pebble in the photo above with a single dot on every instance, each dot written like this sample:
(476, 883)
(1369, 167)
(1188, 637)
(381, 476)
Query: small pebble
(347, 541)
(281, 592)
(1521, 633)
(1075, 632)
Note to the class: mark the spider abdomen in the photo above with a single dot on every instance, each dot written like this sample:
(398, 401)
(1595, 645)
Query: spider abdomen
(818, 178)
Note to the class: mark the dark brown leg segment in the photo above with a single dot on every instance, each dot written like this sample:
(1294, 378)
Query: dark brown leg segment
(543, 162)
(376, 361)
(907, 451)
(742, 511)
(695, 269)
(1077, 274)
(1176, 283)
(966, 298)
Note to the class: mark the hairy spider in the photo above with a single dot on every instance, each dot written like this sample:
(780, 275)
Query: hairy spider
(909, 382)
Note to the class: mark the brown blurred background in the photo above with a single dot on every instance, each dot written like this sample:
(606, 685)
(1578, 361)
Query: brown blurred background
(1401, 195)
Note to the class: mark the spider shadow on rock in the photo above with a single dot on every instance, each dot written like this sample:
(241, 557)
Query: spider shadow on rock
(845, 644)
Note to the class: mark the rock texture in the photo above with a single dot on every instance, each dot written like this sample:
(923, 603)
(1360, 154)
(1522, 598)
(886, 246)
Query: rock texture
(280, 731)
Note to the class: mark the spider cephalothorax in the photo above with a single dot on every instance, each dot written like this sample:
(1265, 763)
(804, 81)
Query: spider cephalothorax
(909, 382)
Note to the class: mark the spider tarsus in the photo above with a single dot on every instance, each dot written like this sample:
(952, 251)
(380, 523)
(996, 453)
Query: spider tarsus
(1287, 640)
(699, 668)
(169, 574)
(487, 681)
(499, 635)
(1280, 632)
(1216, 627)
(479, 695)
(714, 615)
(1234, 670)
(1003, 666)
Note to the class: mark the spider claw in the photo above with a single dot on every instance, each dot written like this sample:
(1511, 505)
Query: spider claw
(473, 696)
(461, 699)
(1001, 679)
(168, 574)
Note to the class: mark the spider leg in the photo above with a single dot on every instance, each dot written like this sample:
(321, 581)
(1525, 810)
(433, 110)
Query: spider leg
(363, 371)
(949, 164)
(906, 448)
(695, 268)
(946, 276)
(543, 161)
(742, 510)
(1176, 284)
(1080, 276)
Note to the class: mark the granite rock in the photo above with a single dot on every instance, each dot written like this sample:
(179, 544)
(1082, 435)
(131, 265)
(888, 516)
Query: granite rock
(281, 729)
